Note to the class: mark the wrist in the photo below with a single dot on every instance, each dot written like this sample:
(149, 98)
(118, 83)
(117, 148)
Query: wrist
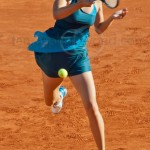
(112, 17)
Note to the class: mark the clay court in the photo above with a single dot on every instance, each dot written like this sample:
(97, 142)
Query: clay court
(120, 60)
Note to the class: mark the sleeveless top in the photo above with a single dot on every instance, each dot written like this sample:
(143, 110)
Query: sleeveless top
(70, 33)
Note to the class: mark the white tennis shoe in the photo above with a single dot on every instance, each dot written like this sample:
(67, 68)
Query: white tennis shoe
(56, 107)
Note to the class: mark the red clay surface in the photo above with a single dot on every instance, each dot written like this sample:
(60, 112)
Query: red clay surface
(120, 60)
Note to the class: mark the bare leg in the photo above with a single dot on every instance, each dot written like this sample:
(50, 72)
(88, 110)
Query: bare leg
(84, 84)
(51, 88)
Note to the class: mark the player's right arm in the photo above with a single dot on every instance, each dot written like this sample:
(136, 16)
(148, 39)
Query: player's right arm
(62, 9)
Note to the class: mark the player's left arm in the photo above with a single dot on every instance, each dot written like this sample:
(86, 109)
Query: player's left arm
(101, 25)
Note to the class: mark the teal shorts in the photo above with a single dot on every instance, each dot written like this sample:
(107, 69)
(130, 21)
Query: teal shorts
(74, 62)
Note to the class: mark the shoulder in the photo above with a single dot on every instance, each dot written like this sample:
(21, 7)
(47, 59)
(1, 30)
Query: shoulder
(98, 5)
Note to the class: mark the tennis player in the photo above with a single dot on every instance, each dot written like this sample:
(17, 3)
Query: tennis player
(64, 46)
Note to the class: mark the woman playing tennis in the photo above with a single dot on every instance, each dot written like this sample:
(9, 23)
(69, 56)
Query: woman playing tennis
(64, 46)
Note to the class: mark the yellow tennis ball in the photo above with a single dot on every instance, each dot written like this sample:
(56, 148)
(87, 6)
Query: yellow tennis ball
(62, 73)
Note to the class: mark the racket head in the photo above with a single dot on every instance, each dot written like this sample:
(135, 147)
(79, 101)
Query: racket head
(111, 3)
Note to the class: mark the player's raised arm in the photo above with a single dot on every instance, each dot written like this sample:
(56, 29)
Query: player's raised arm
(101, 25)
(62, 9)
(99, 18)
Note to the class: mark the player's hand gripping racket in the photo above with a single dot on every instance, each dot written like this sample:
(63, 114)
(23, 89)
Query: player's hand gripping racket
(111, 3)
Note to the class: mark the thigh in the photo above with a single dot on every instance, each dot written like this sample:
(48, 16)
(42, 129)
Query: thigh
(81, 64)
(85, 86)
(50, 86)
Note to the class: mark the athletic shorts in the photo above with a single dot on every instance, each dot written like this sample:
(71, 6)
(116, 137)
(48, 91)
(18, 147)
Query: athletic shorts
(74, 62)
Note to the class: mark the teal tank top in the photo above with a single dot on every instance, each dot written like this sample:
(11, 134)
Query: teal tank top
(70, 33)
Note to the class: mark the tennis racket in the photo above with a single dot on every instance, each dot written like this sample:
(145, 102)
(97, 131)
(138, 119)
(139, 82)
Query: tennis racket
(111, 3)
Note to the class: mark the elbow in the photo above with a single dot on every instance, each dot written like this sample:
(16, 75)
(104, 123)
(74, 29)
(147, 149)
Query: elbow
(98, 31)
(56, 16)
